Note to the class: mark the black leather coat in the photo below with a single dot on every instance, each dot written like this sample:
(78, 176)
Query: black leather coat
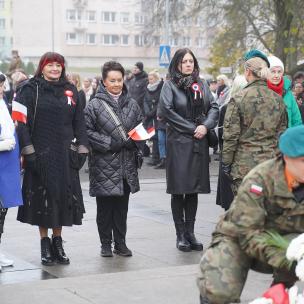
(187, 157)
(108, 169)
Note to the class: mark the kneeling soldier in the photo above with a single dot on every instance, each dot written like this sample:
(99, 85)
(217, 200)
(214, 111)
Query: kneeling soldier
(271, 197)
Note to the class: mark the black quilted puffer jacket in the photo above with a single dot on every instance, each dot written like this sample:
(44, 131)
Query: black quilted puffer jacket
(108, 169)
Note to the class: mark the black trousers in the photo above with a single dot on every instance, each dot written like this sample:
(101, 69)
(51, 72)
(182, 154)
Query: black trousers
(3, 212)
(112, 216)
(184, 207)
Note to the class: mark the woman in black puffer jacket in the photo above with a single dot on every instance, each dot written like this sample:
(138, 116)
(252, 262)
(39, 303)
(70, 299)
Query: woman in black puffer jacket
(112, 163)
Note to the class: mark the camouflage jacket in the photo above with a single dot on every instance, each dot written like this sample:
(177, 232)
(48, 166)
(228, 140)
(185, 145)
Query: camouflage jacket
(263, 203)
(253, 121)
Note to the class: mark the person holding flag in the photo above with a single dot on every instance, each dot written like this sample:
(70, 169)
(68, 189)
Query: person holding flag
(10, 181)
(188, 107)
(113, 122)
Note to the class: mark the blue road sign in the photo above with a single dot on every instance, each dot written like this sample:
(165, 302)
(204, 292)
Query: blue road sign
(164, 55)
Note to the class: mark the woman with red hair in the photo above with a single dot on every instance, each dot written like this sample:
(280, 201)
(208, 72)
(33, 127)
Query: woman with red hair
(54, 143)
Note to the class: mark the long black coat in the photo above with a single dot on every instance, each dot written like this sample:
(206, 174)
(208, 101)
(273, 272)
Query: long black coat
(108, 169)
(137, 88)
(151, 101)
(187, 158)
(51, 193)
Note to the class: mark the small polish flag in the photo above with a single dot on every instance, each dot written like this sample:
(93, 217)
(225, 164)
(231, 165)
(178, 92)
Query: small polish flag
(19, 111)
(256, 189)
(140, 133)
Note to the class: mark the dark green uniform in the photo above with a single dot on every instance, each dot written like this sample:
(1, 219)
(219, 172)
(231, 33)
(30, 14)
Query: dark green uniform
(263, 202)
(253, 121)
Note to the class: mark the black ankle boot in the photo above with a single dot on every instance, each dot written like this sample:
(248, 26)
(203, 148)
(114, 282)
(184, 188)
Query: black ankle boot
(204, 300)
(190, 236)
(181, 242)
(161, 164)
(106, 249)
(47, 257)
(59, 253)
(121, 248)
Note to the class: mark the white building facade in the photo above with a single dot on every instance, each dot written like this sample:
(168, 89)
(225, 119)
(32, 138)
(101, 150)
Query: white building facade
(91, 32)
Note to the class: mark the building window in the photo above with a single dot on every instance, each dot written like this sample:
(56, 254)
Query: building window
(200, 21)
(173, 41)
(91, 16)
(91, 38)
(109, 39)
(199, 42)
(139, 18)
(108, 17)
(71, 15)
(124, 39)
(2, 41)
(186, 41)
(74, 38)
(124, 17)
(2, 24)
(139, 40)
(155, 40)
(2, 3)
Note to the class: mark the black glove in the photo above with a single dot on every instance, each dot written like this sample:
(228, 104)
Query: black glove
(81, 159)
(130, 144)
(30, 161)
(116, 145)
(226, 169)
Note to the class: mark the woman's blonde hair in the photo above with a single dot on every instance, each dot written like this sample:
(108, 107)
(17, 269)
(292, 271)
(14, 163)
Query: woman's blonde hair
(224, 78)
(239, 82)
(155, 74)
(258, 67)
(76, 79)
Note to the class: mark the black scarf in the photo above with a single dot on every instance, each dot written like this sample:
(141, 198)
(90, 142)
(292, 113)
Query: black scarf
(195, 105)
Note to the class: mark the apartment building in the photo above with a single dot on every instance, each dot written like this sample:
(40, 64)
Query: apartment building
(5, 28)
(90, 32)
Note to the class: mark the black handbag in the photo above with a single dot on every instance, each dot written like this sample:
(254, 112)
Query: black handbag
(211, 134)
(138, 155)
(212, 138)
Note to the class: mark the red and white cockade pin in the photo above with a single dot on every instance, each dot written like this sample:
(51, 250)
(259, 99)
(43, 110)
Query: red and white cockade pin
(196, 89)
(69, 94)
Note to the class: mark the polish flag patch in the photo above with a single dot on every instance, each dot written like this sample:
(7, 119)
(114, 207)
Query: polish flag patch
(19, 112)
(256, 189)
(140, 133)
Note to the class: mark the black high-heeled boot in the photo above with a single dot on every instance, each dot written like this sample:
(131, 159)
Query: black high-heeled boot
(190, 237)
(182, 243)
(59, 253)
(47, 257)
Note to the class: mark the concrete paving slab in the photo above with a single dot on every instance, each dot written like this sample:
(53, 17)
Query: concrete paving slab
(157, 272)
(161, 285)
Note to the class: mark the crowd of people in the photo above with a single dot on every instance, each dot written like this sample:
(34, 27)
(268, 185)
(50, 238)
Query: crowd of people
(67, 121)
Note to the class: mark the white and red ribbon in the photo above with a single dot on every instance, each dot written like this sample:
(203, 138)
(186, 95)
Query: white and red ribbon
(69, 94)
(196, 89)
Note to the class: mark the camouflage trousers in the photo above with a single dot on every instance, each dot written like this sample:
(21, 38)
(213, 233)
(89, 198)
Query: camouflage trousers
(224, 268)
(235, 186)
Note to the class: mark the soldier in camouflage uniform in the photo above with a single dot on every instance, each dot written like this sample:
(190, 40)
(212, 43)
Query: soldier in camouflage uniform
(271, 197)
(253, 121)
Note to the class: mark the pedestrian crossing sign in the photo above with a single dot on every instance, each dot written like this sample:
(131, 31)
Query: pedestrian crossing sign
(164, 55)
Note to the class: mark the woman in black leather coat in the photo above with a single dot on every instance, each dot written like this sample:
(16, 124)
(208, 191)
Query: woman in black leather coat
(189, 109)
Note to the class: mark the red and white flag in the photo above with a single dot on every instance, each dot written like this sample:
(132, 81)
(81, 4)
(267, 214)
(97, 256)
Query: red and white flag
(19, 112)
(256, 189)
(140, 133)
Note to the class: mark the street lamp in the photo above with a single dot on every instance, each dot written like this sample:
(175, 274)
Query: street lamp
(53, 24)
